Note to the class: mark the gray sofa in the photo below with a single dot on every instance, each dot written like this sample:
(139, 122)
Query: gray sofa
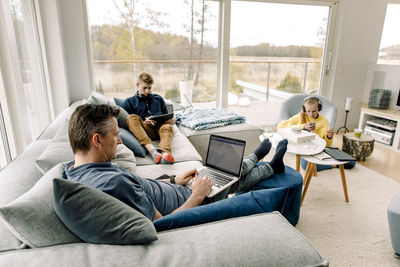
(32, 239)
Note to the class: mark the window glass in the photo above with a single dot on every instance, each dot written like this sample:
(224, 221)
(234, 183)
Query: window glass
(389, 51)
(276, 51)
(175, 41)
(33, 92)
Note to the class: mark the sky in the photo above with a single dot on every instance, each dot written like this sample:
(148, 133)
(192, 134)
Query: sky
(390, 35)
(252, 22)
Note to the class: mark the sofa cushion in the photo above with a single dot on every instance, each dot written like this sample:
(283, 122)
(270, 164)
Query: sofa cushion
(97, 98)
(99, 218)
(32, 218)
(131, 142)
(259, 240)
(57, 152)
(242, 205)
(182, 150)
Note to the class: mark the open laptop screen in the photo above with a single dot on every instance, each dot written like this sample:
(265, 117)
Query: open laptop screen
(225, 154)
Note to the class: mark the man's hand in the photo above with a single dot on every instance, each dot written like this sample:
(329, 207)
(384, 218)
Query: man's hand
(330, 133)
(149, 121)
(171, 121)
(185, 177)
(309, 126)
(201, 187)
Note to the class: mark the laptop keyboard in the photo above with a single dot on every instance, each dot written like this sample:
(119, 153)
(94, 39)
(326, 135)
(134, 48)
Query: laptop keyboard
(217, 179)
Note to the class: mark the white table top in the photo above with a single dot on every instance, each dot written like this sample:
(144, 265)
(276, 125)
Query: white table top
(307, 148)
(330, 161)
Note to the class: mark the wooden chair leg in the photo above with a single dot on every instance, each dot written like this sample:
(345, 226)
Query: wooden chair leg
(308, 180)
(346, 196)
(307, 172)
(297, 162)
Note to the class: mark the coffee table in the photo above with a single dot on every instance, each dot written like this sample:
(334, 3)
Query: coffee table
(311, 169)
(303, 149)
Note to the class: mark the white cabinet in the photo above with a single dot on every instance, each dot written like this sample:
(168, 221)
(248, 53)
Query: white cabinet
(370, 114)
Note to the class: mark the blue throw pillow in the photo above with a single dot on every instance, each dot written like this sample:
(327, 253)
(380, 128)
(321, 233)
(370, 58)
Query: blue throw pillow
(250, 203)
(132, 143)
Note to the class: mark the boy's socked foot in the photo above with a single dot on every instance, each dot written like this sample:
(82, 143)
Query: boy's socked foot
(167, 158)
(157, 157)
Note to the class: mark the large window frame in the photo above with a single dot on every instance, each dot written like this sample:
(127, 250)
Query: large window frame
(224, 37)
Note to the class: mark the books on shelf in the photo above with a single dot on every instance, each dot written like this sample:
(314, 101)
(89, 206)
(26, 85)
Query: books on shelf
(297, 137)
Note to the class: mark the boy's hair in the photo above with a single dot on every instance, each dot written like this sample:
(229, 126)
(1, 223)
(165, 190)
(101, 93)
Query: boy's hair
(88, 120)
(312, 100)
(145, 77)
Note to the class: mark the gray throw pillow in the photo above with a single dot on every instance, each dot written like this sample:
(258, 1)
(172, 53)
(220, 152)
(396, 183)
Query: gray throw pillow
(99, 218)
(97, 98)
(132, 143)
(32, 218)
(57, 152)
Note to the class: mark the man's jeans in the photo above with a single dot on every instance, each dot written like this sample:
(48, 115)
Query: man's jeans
(251, 175)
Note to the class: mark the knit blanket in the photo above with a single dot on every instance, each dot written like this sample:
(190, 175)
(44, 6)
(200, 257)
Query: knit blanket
(203, 119)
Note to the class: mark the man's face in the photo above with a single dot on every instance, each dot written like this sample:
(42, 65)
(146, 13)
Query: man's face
(312, 110)
(111, 140)
(144, 88)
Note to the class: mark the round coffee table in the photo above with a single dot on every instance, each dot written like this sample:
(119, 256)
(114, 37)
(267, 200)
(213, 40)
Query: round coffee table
(311, 169)
(300, 149)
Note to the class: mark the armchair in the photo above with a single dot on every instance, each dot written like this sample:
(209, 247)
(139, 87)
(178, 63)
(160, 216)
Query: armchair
(292, 105)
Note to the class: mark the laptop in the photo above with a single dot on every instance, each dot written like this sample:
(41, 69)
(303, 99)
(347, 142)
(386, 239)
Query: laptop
(223, 162)
(338, 154)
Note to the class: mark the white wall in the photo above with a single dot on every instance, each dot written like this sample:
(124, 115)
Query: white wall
(383, 77)
(359, 28)
(67, 49)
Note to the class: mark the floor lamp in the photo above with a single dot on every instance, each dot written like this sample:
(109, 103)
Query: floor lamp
(349, 100)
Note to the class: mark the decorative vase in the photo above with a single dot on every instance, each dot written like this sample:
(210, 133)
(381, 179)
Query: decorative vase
(186, 92)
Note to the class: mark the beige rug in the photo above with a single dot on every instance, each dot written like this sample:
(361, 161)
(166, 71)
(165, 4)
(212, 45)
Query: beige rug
(354, 233)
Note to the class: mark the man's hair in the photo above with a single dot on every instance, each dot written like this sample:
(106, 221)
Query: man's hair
(145, 77)
(88, 120)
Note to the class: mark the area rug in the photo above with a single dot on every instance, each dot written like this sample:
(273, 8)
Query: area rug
(354, 233)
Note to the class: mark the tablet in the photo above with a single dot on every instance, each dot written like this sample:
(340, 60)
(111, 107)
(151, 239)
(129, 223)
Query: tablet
(163, 117)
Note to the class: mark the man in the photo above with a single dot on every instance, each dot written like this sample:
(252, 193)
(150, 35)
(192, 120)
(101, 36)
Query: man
(93, 136)
(310, 119)
(142, 107)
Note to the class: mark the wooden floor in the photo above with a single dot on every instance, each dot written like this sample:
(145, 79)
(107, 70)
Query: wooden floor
(382, 160)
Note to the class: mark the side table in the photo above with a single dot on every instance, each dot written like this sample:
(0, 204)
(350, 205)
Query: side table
(358, 147)
(312, 169)
(307, 148)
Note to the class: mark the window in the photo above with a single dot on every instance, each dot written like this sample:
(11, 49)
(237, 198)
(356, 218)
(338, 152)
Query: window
(389, 51)
(176, 41)
(276, 50)
(25, 108)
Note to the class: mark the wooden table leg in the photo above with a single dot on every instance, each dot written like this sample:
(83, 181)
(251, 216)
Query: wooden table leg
(306, 173)
(344, 182)
(308, 180)
(297, 162)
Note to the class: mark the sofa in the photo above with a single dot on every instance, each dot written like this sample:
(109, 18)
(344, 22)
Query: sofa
(34, 232)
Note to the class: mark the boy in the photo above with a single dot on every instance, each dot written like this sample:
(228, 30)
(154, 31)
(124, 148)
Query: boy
(310, 119)
(142, 106)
